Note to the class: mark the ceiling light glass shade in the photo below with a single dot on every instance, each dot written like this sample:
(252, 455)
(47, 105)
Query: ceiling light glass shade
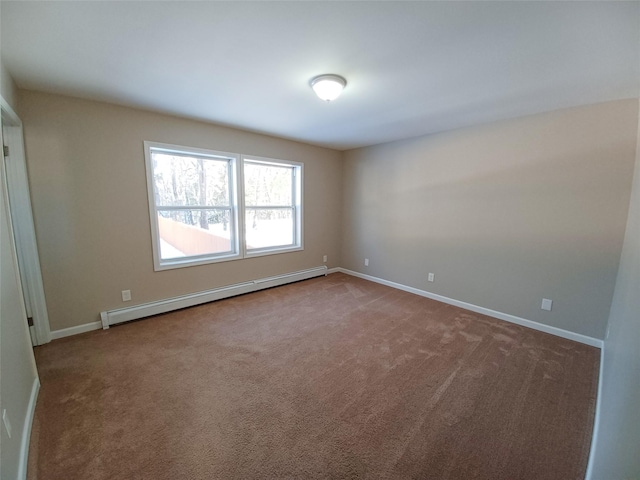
(328, 87)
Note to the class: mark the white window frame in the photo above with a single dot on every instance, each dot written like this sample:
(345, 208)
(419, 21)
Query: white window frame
(237, 207)
(297, 195)
(192, 260)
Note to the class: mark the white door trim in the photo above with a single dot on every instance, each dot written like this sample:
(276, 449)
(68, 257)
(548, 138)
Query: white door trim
(23, 226)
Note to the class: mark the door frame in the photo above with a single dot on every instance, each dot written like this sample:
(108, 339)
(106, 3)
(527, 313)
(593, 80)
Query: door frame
(23, 227)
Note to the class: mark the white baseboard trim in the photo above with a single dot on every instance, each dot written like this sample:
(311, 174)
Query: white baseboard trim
(594, 342)
(26, 431)
(140, 311)
(67, 332)
(121, 315)
(596, 420)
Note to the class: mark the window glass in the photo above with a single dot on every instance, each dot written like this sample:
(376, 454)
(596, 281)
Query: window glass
(189, 180)
(269, 228)
(271, 195)
(266, 185)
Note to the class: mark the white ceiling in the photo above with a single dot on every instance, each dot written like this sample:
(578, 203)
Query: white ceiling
(412, 68)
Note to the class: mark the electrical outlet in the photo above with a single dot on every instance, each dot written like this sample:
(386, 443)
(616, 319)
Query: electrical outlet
(126, 295)
(546, 304)
(431, 277)
(366, 262)
(324, 259)
(7, 423)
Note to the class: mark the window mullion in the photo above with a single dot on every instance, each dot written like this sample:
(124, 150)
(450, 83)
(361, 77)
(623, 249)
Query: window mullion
(234, 193)
(294, 223)
(242, 238)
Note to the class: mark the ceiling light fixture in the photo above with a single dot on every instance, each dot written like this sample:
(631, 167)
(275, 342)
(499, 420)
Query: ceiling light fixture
(328, 87)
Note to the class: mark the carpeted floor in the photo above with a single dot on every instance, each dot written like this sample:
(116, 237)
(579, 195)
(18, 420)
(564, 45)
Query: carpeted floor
(331, 378)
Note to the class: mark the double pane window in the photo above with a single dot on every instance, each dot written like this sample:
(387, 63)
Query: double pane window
(202, 212)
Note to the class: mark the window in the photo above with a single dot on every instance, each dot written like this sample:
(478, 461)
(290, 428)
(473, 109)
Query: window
(196, 213)
(193, 205)
(272, 207)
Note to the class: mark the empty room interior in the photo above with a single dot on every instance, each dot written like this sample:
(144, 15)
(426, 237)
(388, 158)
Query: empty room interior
(323, 239)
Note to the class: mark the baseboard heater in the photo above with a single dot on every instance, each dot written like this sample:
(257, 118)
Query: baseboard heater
(121, 315)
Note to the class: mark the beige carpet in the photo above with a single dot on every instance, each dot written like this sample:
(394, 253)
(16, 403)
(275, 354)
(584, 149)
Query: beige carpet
(331, 378)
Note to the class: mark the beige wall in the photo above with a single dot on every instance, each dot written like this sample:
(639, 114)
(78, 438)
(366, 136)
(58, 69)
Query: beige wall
(503, 214)
(88, 187)
(617, 441)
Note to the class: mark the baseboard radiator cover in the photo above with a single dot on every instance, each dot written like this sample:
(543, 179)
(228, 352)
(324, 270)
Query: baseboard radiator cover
(121, 315)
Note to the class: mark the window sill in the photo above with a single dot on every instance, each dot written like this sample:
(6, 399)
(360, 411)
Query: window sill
(194, 262)
(272, 251)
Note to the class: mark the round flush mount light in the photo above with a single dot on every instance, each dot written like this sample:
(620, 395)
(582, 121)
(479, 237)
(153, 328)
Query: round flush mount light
(328, 87)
